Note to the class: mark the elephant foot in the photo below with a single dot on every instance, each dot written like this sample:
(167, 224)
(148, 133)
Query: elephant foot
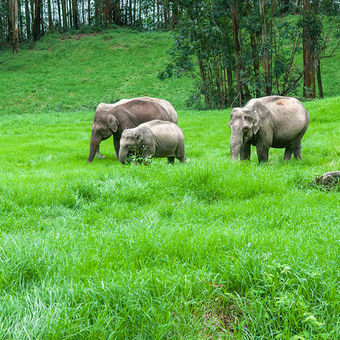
(100, 156)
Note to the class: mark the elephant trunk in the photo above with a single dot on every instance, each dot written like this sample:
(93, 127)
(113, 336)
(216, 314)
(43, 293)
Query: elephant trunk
(94, 144)
(236, 141)
(123, 152)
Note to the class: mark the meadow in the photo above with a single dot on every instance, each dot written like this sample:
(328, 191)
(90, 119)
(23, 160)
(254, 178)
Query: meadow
(206, 249)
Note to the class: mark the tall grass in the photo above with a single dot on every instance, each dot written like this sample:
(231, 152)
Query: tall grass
(206, 249)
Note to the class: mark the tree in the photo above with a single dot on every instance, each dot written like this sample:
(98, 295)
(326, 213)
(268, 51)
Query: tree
(13, 24)
(236, 27)
(28, 20)
(37, 18)
(309, 73)
(265, 49)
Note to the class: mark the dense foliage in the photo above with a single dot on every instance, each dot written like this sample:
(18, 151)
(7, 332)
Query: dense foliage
(245, 49)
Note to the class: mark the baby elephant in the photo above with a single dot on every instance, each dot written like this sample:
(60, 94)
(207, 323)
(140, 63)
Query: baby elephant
(158, 138)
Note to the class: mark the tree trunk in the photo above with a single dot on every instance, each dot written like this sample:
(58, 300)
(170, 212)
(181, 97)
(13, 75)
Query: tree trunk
(318, 75)
(83, 12)
(28, 20)
(201, 67)
(125, 14)
(256, 64)
(32, 14)
(59, 14)
(130, 12)
(13, 23)
(265, 49)
(89, 12)
(165, 15)
(174, 13)
(235, 24)
(63, 7)
(70, 13)
(96, 11)
(21, 35)
(50, 23)
(116, 17)
(37, 17)
(75, 14)
(42, 29)
(158, 14)
(309, 75)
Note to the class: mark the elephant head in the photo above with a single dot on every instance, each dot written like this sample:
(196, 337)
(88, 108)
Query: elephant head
(104, 126)
(244, 124)
(131, 142)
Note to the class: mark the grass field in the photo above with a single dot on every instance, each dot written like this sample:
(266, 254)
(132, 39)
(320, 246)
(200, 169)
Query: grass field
(207, 249)
(63, 73)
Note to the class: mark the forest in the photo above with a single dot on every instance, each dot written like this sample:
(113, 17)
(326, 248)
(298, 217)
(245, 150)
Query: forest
(211, 248)
(241, 49)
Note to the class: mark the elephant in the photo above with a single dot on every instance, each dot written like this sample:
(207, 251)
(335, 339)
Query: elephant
(157, 138)
(112, 119)
(272, 121)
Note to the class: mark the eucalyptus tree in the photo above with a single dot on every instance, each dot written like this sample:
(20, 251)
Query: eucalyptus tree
(238, 49)
(13, 23)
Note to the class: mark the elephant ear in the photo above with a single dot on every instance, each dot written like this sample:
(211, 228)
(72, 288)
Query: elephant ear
(256, 123)
(138, 137)
(112, 123)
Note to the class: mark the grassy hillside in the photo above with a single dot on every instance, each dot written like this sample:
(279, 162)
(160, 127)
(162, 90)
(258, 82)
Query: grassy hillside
(63, 73)
(206, 249)
(68, 73)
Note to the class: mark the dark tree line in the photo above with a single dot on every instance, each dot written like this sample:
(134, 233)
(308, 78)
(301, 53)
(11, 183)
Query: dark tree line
(242, 49)
(33, 18)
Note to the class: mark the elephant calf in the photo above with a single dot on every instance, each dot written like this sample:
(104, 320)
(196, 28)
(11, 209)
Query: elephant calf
(273, 121)
(157, 138)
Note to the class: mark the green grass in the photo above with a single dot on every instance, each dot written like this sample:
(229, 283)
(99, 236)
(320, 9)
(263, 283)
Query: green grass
(77, 74)
(207, 249)
(199, 250)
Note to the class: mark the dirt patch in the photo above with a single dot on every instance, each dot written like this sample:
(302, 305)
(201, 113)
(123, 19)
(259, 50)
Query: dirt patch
(280, 103)
(119, 47)
(219, 321)
(79, 36)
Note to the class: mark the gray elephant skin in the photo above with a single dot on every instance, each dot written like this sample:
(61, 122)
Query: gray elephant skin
(157, 138)
(268, 122)
(112, 119)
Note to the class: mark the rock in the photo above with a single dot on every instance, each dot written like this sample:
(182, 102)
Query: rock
(329, 179)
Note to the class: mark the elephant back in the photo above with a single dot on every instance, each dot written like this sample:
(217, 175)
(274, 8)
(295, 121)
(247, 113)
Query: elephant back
(140, 109)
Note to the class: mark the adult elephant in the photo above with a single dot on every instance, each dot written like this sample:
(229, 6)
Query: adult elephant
(112, 119)
(273, 121)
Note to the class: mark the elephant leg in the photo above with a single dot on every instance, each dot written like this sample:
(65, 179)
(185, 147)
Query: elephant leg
(180, 153)
(288, 154)
(297, 151)
(171, 160)
(245, 152)
(262, 153)
(98, 154)
(116, 144)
